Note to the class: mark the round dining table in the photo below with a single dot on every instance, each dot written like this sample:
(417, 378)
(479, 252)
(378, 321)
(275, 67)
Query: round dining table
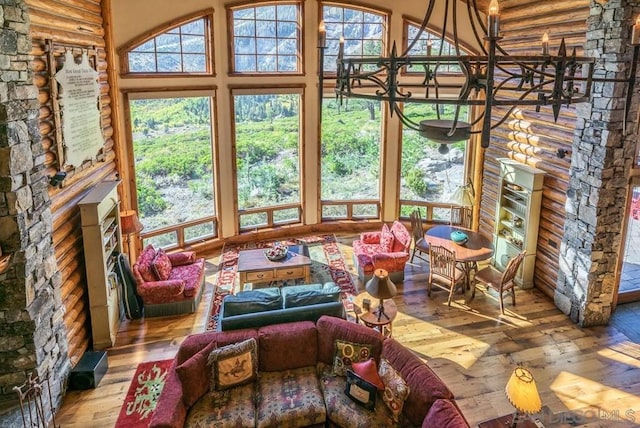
(477, 248)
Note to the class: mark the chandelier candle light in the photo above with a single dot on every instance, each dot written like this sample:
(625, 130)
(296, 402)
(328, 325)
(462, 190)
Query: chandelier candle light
(489, 78)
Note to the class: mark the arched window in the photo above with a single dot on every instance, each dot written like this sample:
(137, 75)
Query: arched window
(265, 38)
(181, 47)
(364, 32)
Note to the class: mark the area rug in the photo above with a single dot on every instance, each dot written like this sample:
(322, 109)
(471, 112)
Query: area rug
(143, 394)
(327, 265)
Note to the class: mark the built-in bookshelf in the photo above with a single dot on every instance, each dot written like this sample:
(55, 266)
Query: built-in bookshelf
(102, 239)
(518, 217)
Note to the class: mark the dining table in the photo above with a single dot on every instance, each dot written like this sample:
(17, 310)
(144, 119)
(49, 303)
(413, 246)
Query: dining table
(476, 249)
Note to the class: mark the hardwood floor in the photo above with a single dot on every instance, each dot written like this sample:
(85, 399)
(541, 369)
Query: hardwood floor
(593, 374)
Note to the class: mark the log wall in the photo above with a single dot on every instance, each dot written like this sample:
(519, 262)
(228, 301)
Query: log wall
(533, 138)
(76, 25)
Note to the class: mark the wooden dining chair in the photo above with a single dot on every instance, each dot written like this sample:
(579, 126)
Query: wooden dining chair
(461, 216)
(420, 245)
(444, 272)
(502, 282)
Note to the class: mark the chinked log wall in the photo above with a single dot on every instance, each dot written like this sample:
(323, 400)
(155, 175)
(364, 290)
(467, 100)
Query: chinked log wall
(533, 138)
(77, 25)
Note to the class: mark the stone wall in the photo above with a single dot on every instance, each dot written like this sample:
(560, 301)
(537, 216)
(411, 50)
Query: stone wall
(32, 334)
(603, 153)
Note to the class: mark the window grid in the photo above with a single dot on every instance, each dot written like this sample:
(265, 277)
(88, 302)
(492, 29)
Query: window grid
(256, 30)
(420, 48)
(182, 49)
(364, 32)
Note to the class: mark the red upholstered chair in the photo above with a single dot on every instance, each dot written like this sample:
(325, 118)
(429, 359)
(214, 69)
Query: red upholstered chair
(169, 284)
(387, 249)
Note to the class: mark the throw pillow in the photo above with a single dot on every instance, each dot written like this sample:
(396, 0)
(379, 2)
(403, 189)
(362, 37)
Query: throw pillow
(368, 370)
(144, 262)
(347, 353)
(360, 391)
(396, 389)
(386, 239)
(161, 265)
(194, 384)
(233, 365)
(182, 258)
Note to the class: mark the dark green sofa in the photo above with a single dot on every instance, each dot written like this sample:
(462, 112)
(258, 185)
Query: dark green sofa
(266, 306)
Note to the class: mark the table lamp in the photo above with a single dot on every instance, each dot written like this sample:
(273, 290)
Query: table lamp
(130, 225)
(464, 195)
(522, 394)
(381, 287)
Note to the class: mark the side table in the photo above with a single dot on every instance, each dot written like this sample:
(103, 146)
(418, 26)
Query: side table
(506, 421)
(370, 317)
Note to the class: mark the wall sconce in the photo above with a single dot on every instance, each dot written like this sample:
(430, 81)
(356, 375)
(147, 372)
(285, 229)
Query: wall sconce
(57, 179)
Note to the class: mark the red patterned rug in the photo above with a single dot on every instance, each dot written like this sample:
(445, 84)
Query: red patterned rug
(327, 265)
(143, 394)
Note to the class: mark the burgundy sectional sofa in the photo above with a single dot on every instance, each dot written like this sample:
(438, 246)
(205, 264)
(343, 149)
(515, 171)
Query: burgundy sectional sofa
(295, 381)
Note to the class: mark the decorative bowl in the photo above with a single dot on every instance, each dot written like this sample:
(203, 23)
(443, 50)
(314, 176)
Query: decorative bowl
(276, 252)
(459, 237)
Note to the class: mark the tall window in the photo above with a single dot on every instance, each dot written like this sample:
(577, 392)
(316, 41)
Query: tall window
(180, 49)
(172, 147)
(266, 38)
(427, 176)
(267, 148)
(437, 47)
(350, 164)
(363, 31)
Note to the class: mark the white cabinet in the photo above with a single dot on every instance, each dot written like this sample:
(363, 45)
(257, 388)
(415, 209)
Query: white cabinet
(102, 238)
(518, 217)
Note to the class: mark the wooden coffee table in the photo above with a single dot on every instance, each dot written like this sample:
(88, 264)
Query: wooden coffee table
(254, 267)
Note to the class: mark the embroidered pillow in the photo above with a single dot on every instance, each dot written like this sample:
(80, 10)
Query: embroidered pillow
(161, 265)
(396, 389)
(360, 391)
(368, 370)
(347, 353)
(386, 239)
(233, 365)
(401, 237)
(144, 262)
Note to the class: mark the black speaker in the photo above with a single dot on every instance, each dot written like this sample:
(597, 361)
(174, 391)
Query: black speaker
(89, 370)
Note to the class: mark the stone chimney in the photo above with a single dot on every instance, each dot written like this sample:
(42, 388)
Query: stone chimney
(32, 332)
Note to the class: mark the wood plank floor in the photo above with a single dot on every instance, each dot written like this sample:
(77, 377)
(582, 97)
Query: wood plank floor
(594, 373)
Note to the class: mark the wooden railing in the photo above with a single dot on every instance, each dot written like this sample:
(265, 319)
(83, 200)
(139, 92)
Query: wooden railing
(355, 209)
(180, 235)
(268, 217)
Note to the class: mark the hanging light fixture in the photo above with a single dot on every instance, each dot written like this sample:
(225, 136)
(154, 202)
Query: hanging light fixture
(491, 78)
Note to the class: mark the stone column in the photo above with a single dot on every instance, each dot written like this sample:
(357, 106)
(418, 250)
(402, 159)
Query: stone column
(32, 332)
(603, 153)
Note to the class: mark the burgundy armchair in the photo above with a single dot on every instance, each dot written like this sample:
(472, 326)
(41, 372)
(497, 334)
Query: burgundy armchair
(387, 249)
(169, 284)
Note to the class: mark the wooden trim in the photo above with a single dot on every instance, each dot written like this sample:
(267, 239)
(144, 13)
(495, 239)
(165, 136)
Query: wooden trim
(167, 90)
(629, 296)
(271, 89)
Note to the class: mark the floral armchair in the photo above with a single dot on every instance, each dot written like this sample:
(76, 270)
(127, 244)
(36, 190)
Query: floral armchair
(387, 249)
(169, 284)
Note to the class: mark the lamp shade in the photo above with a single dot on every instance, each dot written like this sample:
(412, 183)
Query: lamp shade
(464, 196)
(522, 392)
(130, 222)
(380, 286)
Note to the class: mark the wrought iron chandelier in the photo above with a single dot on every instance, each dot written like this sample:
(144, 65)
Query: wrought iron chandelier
(491, 79)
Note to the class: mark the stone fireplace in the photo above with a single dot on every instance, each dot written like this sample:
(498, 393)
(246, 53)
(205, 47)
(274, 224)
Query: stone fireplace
(32, 332)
